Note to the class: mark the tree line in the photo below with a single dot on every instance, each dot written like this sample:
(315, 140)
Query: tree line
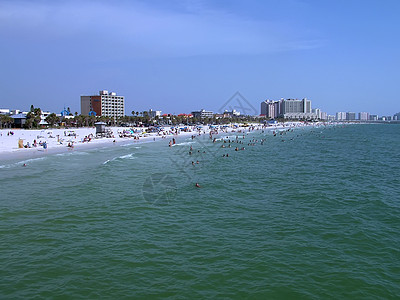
(33, 120)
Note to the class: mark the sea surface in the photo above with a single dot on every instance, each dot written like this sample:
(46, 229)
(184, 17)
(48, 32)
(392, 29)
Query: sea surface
(312, 213)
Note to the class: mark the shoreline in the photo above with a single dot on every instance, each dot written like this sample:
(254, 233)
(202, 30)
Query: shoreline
(10, 152)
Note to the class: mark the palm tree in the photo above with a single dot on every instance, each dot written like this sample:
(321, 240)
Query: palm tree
(52, 119)
(5, 121)
(79, 120)
(92, 120)
(37, 116)
(34, 117)
(28, 122)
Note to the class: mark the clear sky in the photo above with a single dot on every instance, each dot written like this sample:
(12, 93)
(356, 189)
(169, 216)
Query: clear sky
(184, 55)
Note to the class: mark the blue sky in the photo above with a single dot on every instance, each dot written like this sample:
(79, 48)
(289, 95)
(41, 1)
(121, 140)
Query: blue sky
(183, 55)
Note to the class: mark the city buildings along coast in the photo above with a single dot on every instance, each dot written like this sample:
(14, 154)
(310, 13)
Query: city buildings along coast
(295, 109)
(112, 106)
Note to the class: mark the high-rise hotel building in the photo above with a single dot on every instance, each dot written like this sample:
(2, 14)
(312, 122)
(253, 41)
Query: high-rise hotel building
(105, 104)
(288, 109)
(270, 109)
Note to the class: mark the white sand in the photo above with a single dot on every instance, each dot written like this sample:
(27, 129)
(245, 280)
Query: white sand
(58, 139)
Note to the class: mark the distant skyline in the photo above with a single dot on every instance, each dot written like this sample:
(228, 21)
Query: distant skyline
(183, 55)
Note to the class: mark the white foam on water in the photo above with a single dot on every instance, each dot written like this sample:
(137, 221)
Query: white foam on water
(107, 161)
(131, 144)
(129, 156)
(184, 143)
(127, 145)
(72, 153)
(22, 162)
(30, 160)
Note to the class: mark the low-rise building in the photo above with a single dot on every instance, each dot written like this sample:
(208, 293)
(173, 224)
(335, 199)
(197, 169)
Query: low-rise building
(230, 114)
(202, 114)
(4, 111)
(154, 113)
(300, 116)
(19, 120)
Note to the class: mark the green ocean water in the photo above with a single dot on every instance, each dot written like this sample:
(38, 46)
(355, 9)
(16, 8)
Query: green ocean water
(310, 214)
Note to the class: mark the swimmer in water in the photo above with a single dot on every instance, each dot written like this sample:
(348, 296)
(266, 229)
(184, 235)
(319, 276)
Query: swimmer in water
(197, 185)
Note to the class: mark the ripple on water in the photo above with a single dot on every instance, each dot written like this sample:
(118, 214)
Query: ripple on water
(304, 218)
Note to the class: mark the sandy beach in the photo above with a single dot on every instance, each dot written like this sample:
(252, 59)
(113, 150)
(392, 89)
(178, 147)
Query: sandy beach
(42, 142)
(51, 141)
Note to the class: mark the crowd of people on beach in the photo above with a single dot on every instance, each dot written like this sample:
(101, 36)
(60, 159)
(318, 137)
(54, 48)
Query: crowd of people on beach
(237, 141)
(34, 144)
